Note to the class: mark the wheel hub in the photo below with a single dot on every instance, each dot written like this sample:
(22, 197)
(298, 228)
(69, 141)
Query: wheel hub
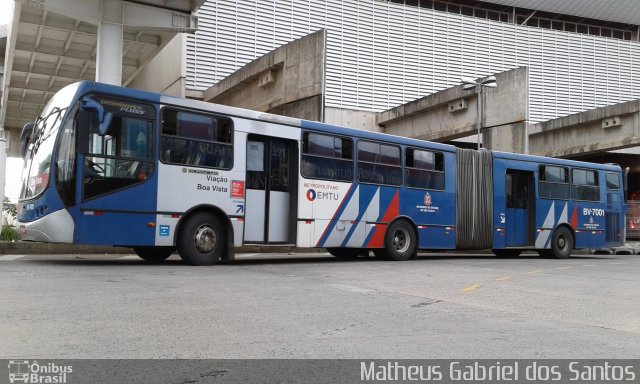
(561, 242)
(206, 239)
(401, 240)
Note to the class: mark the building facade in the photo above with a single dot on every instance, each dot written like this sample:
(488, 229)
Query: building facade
(381, 54)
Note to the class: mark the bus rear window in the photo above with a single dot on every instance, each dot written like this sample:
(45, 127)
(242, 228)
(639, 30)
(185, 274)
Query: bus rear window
(613, 181)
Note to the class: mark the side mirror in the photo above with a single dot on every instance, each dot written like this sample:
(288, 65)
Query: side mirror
(25, 138)
(104, 124)
(104, 119)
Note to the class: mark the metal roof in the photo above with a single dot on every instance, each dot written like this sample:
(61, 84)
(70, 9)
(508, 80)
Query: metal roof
(621, 11)
(52, 50)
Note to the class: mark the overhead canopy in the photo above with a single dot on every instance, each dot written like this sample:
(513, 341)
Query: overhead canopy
(620, 11)
(53, 43)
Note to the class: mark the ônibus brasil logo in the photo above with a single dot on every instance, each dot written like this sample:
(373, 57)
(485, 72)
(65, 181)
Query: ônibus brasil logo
(24, 371)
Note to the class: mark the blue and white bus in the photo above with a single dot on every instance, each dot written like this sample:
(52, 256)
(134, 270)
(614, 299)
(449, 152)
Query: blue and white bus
(107, 165)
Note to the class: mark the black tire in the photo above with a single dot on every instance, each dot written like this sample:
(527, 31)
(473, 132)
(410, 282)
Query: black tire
(400, 242)
(562, 243)
(507, 252)
(202, 239)
(154, 254)
(348, 253)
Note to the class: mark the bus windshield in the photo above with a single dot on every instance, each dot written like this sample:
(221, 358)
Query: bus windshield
(35, 175)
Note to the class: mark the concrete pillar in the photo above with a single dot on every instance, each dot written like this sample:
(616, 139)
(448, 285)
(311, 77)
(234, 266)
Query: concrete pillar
(3, 170)
(109, 50)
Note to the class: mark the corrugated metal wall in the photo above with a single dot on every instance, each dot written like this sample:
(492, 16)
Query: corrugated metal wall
(383, 54)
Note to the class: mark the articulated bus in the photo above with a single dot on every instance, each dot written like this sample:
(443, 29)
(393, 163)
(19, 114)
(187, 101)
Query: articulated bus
(107, 165)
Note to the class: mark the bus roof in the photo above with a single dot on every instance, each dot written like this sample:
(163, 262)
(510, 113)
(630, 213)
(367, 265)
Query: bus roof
(554, 161)
(89, 86)
(370, 135)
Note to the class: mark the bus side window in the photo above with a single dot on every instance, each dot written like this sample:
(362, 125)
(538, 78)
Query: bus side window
(553, 182)
(327, 157)
(196, 139)
(379, 163)
(424, 169)
(585, 185)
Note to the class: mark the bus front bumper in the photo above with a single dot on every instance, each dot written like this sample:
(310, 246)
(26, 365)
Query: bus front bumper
(56, 227)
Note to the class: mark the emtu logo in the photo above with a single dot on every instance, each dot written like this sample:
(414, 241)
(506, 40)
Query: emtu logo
(19, 371)
(311, 195)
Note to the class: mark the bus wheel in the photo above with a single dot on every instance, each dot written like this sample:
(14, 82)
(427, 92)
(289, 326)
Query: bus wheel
(400, 241)
(154, 254)
(562, 243)
(202, 239)
(348, 253)
(507, 252)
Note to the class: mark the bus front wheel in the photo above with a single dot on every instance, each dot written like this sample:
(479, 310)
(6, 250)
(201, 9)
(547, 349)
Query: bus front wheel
(154, 254)
(202, 239)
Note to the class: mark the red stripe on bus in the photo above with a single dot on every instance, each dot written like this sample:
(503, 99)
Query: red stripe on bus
(377, 240)
(574, 217)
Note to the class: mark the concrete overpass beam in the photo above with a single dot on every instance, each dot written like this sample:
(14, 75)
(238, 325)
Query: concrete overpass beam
(149, 18)
(452, 114)
(598, 130)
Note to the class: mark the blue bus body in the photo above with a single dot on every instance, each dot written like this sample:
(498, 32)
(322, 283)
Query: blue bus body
(172, 172)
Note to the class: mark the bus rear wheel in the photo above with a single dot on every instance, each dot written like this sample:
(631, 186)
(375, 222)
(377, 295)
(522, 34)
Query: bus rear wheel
(348, 253)
(561, 243)
(400, 243)
(202, 239)
(154, 254)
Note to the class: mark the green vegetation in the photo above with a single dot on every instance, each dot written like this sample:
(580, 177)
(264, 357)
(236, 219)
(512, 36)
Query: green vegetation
(8, 233)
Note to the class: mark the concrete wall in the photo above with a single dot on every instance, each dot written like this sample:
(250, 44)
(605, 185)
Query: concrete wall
(352, 119)
(308, 109)
(507, 138)
(288, 80)
(167, 71)
(607, 128)
(504, 112)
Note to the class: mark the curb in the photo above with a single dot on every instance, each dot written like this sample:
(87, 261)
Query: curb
(32, 248)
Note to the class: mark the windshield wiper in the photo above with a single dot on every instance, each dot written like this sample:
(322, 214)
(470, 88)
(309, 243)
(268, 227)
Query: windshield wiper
(41, 126)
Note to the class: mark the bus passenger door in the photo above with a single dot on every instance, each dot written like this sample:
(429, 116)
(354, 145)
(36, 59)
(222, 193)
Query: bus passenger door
(117, 184)
(270, 204)
(520, 208)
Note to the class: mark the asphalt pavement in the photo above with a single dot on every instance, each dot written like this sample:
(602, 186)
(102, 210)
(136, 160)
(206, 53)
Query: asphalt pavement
(315, 306)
